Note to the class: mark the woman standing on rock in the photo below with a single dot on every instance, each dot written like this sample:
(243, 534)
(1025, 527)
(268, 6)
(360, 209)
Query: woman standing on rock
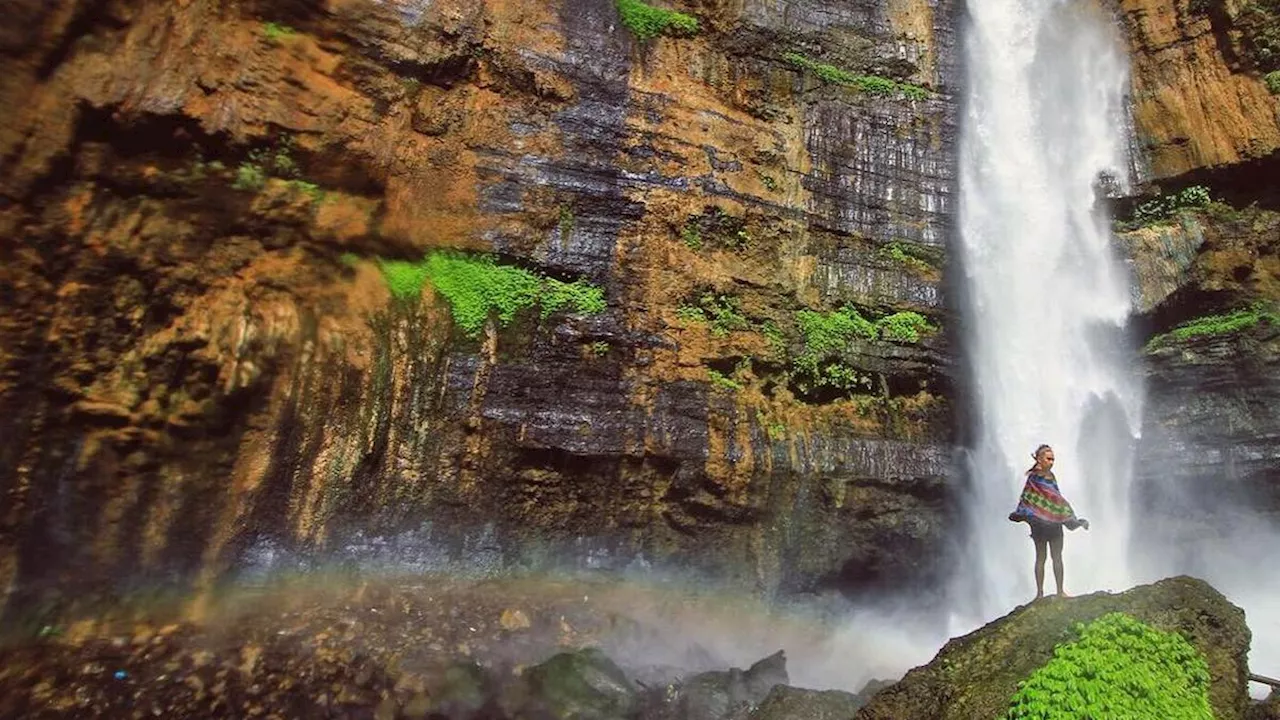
(1046, 511)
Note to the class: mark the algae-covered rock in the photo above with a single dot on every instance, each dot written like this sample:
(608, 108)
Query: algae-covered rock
(974, 677)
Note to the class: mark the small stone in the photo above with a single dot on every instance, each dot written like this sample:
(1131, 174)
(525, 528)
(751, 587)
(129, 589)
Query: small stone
(514, 620)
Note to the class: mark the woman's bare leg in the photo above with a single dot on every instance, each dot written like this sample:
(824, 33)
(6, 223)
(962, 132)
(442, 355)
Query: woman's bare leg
(1055, 551)
(1039, 567)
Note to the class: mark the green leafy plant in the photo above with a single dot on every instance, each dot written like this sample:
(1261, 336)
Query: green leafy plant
(1164, 209)
(720, 311)
(276, 161)
(1272, 79)
(647, 22)
(691, 237)
(600, 348)
(722, 381)
(773, 334)
(277, 32)
(349, 259)
(770, 184)
(904, 327)
(477, 288)
(870, 84)
(309, 188)
(1258, 24)
(249, 177)
(825, 336)
(1214, 325)
(1118, 668)
(690, 313)
(579, 295)
(907, 256)
(776, 430)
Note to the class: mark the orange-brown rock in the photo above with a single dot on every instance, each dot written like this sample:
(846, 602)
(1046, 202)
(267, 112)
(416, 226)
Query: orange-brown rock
(201, 367)
(1198, 102)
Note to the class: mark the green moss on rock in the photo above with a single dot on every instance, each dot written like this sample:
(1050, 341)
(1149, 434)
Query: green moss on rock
(870, 84)
(977, 675)
(477, 287)
(1215, 325)
(647, 22)
(1119, 667)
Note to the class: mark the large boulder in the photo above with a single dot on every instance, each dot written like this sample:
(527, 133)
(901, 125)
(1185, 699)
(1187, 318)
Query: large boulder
(974, 677)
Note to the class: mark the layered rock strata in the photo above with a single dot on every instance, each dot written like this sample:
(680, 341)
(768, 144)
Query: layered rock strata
(201, 364)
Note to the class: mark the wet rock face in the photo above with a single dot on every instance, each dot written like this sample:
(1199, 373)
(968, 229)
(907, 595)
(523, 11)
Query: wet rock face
(201, 365)
(977, 675)
(1207, 450)
(1209, 445)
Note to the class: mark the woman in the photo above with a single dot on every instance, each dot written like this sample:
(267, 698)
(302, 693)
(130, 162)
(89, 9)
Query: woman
(1046, 511)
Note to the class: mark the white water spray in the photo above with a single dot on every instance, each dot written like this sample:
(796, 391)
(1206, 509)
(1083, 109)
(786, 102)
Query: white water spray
(1044, 118)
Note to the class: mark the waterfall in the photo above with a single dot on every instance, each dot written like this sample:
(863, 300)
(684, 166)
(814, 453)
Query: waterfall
(1046, 298)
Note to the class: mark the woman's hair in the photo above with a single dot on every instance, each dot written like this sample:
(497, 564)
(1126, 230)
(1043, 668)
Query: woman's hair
(1036, 456)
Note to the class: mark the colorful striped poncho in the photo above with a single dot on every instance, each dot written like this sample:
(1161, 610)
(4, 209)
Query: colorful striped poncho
(1042, 501)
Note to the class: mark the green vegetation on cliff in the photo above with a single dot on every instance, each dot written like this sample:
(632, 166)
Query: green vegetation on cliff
(1214, 325)
(1119, 667)
(1272, 79)
(477, 287)
(275, 161)
(870, 84)
(904, 327)
(647, 22)
(1258, 22)
(1165, 208)
(275, 32)
(827, 335)
(909, 256)
(722, 312)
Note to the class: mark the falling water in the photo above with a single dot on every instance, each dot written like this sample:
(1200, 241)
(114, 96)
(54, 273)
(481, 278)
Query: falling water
(1047, 298)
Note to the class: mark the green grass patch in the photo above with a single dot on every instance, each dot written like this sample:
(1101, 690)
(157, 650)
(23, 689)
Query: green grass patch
(1214, 325)
(870, 84)
(477, 288)
(647, 22)
(1118, 668)
(1272, 79)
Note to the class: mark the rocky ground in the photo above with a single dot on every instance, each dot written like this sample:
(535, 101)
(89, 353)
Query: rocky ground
(449, 648)
(434, 647)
